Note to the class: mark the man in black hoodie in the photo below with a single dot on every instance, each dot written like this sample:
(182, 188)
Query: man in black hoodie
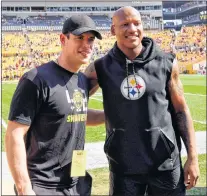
(146, 114)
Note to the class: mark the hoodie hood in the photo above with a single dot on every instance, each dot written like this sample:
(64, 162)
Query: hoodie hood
(150, 52)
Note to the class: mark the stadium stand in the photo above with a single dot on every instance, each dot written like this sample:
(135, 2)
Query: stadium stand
(30, 34)
(23, 51)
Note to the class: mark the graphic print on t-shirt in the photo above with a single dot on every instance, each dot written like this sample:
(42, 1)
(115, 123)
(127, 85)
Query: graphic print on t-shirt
(78, 103)
(133, 87)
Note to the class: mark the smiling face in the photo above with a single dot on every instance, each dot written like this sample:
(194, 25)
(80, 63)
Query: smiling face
(128, 29)
(78, 49)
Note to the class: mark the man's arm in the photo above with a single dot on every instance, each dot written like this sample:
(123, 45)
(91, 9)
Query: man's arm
(16, 157)
(95, 117)
(90, 72)
(185, 126)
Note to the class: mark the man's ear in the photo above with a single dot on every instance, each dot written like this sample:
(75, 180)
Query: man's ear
(113, 29)
(62, 39)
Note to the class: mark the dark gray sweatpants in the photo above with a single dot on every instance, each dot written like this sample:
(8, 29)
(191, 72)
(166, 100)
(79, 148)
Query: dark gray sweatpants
(162, 183)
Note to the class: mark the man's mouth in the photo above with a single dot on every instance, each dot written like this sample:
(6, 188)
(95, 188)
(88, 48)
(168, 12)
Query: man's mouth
(132, 36)
(85, 53)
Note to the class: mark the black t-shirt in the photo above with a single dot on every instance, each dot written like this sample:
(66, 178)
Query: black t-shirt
(53, 102)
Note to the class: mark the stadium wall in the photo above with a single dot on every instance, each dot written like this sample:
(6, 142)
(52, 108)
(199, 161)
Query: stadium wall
(82, 3)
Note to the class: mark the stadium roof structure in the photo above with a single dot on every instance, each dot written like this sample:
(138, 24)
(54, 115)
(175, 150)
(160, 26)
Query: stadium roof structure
(51, 7)
(73, 3)
(131, 1)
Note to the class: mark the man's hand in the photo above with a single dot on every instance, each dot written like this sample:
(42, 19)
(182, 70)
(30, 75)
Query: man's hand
(29, 192)
(26, 191)
(191, 172)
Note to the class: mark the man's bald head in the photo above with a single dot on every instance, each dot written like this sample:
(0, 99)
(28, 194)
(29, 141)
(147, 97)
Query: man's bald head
(128, 29)
(124, 12)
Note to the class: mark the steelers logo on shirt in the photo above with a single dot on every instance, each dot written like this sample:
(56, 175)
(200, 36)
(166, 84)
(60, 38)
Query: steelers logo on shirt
(133, 87)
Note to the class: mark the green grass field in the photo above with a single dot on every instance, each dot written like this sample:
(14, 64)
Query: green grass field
(195, 94)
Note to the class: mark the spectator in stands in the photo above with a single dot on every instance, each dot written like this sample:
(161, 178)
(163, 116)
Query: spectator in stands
(49, 109)
(146, 114)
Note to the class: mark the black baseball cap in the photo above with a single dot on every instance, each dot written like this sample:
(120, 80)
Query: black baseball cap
(78, 24)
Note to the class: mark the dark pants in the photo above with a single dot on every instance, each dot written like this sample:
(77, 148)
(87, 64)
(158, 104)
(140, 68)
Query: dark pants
(82, 188)
(162, 183)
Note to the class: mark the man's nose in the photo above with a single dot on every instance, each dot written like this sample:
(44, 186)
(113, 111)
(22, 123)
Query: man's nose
(132, 27)
(87, 43)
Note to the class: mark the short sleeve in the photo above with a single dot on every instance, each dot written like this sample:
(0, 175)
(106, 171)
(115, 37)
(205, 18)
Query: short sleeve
(84, 82)
(26, 102)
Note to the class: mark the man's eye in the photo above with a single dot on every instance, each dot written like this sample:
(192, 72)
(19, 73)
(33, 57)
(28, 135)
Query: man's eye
(124, 25)
(137, 24)
(91, 39)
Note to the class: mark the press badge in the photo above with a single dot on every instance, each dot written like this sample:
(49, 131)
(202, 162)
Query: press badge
(78, 167)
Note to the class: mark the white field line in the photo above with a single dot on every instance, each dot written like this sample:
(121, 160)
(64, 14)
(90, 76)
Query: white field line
(201, 122)
(4, 123)
(97, 94)
(100, 94)
(10, 82)
(198, 121)
(200, 95)
(96, 99)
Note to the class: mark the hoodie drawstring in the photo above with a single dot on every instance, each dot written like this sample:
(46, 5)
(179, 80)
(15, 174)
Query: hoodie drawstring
(127, 75)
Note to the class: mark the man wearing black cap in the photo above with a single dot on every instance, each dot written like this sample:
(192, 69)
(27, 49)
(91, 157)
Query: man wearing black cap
(48, 115)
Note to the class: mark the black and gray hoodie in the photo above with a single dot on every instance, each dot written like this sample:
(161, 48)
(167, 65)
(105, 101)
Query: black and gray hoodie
(140, 134)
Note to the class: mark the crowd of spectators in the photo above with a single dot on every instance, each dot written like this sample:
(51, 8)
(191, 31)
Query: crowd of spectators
(22, 51)
(191, 44)
(11, 20)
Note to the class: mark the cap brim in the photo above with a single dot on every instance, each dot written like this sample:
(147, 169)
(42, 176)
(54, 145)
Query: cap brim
(86, 29)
